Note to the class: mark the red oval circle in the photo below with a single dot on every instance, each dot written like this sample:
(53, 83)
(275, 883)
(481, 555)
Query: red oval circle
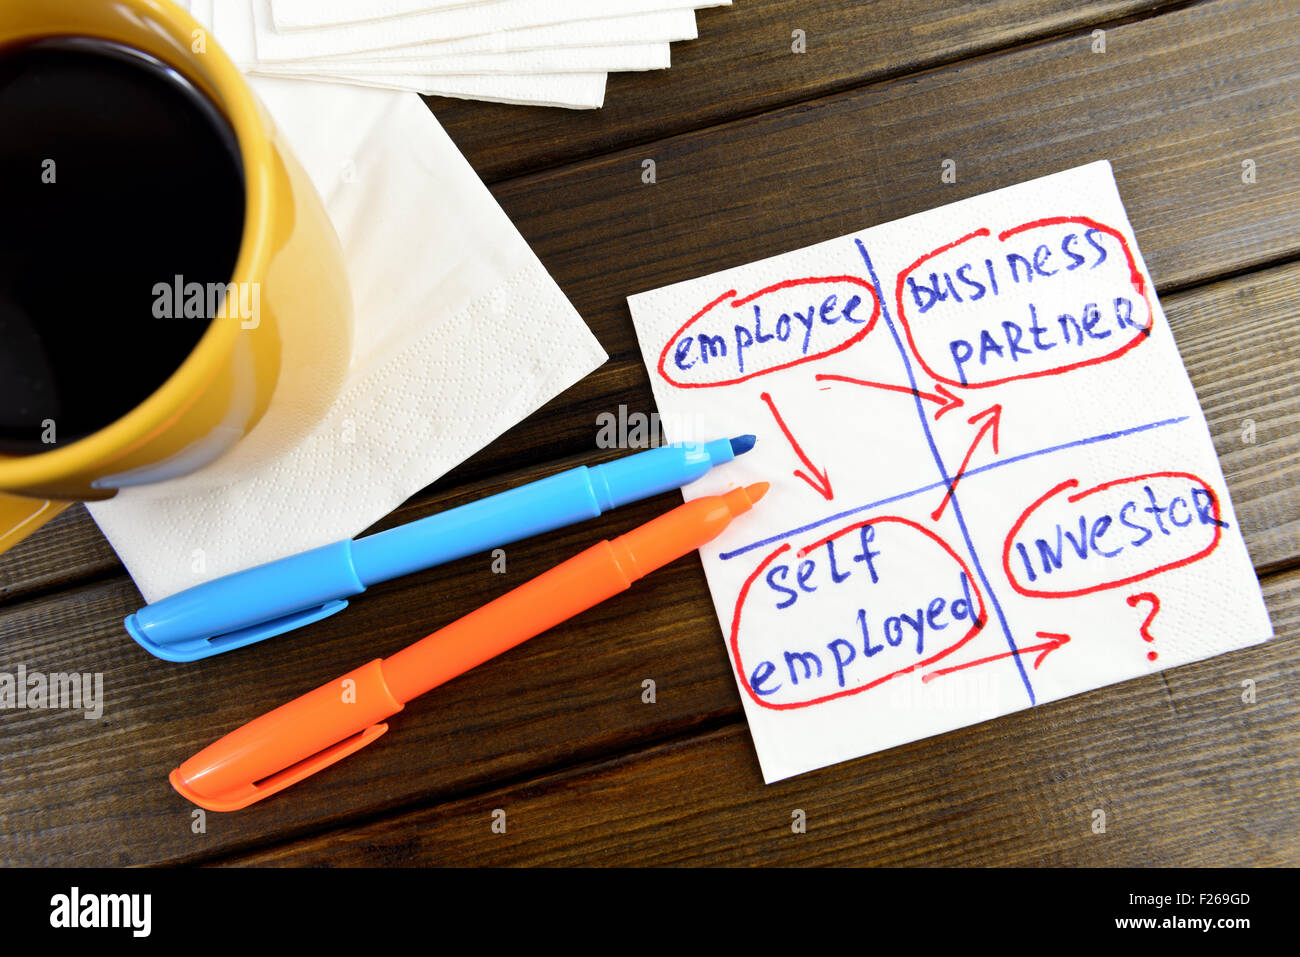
(1079, 496)
(744, 300)
(1136, 278)
(734, 640)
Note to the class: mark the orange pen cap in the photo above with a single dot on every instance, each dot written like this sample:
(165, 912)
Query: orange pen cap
(290, 743)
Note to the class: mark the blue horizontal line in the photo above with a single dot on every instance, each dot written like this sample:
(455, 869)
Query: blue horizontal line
(937, 485)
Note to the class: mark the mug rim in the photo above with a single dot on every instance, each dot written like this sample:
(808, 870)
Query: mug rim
(233, 98)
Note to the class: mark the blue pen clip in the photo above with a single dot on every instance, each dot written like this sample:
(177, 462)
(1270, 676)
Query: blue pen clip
(246, 607)
(195, 649)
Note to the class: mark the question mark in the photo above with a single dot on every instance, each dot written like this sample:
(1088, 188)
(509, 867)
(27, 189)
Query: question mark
(1133, 601)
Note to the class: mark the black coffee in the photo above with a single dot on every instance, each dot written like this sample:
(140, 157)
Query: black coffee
(116, 175)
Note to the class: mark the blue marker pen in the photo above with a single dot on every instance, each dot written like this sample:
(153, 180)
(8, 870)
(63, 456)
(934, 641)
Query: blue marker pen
(268, 600)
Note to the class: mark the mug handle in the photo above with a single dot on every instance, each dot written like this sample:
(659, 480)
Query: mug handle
(19, 517)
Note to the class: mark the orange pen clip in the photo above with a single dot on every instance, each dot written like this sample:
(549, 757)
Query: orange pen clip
(314, 731)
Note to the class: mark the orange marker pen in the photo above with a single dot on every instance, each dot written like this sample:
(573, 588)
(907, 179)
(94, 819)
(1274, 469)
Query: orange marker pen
(312, 732)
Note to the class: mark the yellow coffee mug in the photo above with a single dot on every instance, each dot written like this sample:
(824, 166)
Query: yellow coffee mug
(290, 361)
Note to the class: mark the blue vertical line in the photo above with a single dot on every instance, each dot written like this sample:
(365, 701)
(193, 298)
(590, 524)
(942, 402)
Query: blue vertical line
(943, 473)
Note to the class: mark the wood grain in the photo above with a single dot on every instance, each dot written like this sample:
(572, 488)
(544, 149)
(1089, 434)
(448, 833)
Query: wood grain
(67, 550)
(742, 64)
(556, 730)
(1186, 772)
(95, 792)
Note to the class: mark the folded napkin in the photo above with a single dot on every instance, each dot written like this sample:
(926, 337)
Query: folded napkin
(573, 91)
(552, 53)
(296, 14)
(460, 334)
(658, 26)
(232, 22)
(443, 24)
(609, 58)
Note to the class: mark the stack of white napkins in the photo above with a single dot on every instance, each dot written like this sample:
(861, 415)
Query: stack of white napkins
(541, 52)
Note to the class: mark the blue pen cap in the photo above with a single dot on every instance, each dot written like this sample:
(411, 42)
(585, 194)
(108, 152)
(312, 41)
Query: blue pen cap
(248, 606)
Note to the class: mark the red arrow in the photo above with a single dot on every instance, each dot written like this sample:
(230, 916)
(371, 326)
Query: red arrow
(822, 484)
(1046, 648)
(945, 399)
(992, 424)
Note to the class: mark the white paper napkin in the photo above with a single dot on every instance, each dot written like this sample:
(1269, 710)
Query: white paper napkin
(574, 91)
(612, 58)
(231, 22)
(296, 14)
(460, 334)
(659, 26)
(272, 45)
(844, 661)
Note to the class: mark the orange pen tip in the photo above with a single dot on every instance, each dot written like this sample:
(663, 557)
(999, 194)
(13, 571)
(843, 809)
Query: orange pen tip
(741, 500)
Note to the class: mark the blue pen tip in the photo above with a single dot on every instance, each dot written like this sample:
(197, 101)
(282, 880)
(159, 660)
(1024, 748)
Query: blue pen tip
(742, 444)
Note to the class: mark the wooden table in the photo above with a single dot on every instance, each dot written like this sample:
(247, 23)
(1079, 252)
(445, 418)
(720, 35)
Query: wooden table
(759, 150)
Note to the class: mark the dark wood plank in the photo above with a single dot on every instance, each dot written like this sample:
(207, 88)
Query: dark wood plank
(67, 550)
(1186, 773)
(1180, 100)
(743, 64)
(1249, 406)
(1175, 104)
(95, 792)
